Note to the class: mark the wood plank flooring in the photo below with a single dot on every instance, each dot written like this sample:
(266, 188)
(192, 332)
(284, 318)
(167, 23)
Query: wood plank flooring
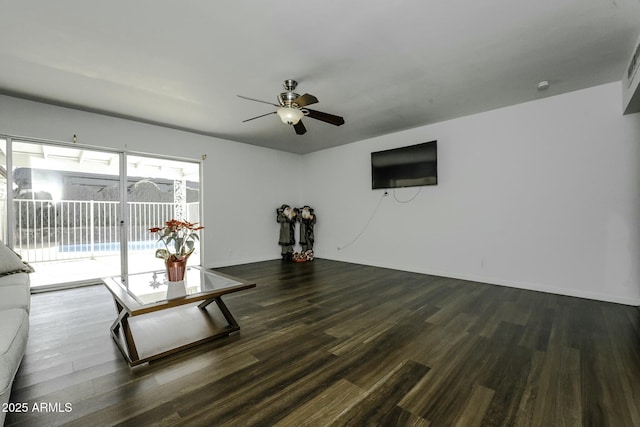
(330, 343)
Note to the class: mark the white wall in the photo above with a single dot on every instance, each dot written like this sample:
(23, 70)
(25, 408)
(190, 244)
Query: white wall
(243, 184)
(543, 195)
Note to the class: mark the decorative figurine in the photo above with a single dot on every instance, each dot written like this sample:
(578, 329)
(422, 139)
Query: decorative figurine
(307, 220)
(286, 217)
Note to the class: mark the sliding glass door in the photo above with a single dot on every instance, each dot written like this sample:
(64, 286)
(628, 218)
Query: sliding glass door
(3, 190)
(158, 190)
(77, 214)
(66, 211)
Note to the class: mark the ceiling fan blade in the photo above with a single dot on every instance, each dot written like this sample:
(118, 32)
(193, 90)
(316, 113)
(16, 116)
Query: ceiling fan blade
(258, 100)
(325, 117)
(299, 128)
(306, 99)
(257, 117)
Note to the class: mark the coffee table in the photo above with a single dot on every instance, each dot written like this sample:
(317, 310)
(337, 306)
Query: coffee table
(157, 318)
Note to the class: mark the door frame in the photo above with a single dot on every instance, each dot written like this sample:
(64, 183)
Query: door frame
(122, 211)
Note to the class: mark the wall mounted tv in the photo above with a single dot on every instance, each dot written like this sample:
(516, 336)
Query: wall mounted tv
(411, 166)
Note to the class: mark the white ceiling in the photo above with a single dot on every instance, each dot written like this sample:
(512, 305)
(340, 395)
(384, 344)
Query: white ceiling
(383, 65)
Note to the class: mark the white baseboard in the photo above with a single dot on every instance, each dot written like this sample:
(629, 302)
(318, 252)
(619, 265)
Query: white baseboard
(618, 299)
(241, 261)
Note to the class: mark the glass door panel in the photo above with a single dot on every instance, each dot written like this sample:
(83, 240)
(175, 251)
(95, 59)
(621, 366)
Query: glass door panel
(3, 191)
(66, 207)
(158, 190)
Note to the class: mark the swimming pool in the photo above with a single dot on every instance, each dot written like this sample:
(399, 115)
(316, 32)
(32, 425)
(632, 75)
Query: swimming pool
(143, 245)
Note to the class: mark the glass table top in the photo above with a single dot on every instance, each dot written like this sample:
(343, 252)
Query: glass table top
(153, 287)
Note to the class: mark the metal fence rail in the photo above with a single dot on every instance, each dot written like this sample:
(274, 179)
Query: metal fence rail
(75, 229)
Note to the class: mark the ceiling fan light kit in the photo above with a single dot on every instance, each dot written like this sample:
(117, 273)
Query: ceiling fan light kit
(290, 108)
(290, 115)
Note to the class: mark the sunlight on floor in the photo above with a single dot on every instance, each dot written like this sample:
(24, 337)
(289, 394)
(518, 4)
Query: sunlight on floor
(92, 270)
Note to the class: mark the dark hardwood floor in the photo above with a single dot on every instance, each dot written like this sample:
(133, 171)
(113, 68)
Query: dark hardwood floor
(330, 343)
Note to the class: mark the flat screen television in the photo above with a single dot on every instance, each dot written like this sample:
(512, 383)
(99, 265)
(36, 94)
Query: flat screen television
(412, 166)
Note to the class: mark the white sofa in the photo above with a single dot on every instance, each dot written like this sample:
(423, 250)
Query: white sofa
(15, 302)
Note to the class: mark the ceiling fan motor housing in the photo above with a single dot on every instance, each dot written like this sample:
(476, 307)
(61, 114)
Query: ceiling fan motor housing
(287, 98)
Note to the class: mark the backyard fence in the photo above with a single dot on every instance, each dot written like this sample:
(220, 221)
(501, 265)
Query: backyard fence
(49, 230)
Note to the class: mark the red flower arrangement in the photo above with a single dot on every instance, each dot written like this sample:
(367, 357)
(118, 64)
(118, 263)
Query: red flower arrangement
(181, 235)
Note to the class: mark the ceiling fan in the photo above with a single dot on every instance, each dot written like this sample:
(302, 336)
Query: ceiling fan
(292, 107)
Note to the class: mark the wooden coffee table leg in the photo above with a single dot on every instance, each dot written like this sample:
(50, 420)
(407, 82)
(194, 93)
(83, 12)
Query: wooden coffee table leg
(225, 311)
(118, 306)
(121, 325)
(205, 303)
(227, 314)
